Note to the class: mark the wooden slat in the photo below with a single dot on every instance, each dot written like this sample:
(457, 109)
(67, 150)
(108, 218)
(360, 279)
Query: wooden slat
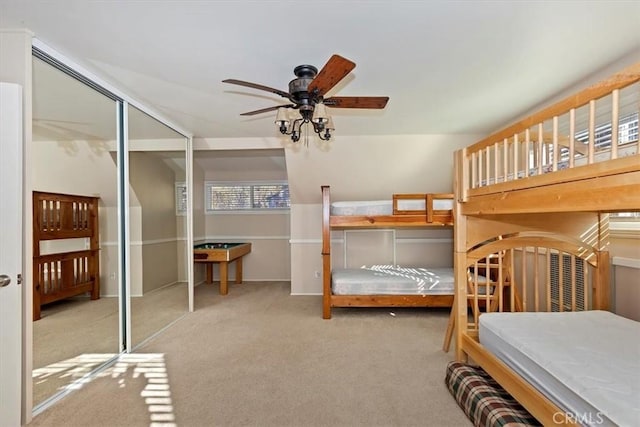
(476, 305)
(572, 136)
(460, 271)
(556, 149)
(505, 159)
(573, 283)
(487, 159)
(536, 279)
(512, 294)
(461, 174)
(592, 130)
(496, 163)
(391, 300)
(620, 80)
(326, 286)
(523, 279)
(429, 205)
(561, 281)
(547, 139)
(516, 163)
(390, 221)
(326, 252)
(612, 167)
(540, 148)
(615, 122)
(326, 212)
(617, 193)
(586, 281)
(548, 280)
(601, 294)
(527, 151)
(474, 171)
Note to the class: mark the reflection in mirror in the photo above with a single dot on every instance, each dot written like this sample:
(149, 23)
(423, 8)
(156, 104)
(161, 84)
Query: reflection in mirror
(74, 133)
(158, 278)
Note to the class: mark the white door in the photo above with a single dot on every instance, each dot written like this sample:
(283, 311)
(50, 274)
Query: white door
(10, 253)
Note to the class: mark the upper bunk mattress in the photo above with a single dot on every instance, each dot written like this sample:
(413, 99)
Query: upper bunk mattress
(392, 280)
(587, 363)
(385, 207)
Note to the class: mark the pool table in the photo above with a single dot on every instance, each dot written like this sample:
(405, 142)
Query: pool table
(222, 253)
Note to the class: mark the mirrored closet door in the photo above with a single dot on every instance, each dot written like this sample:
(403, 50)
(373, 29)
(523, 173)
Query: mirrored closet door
(78, 152)
(73, 154)
(158, 281)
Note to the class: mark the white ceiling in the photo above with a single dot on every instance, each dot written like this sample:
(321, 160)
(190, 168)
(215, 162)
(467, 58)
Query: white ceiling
(447, 66)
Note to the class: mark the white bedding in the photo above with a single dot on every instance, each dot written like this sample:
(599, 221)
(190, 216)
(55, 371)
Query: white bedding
(385, 207)
(587, 363)
(392, 280)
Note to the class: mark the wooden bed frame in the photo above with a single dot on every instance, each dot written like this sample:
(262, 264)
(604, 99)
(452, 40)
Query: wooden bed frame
(427, 217)
(62, 275)
(533, 214)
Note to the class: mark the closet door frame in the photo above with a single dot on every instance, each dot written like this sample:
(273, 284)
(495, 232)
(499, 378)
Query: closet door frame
(124, 240)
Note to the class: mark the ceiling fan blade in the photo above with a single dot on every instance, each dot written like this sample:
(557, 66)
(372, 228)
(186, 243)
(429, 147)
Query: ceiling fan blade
(257, 86)
(264, 110)
(374, 102)
(333, 71)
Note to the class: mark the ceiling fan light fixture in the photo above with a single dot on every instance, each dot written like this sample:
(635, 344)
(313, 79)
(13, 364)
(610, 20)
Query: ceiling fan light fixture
(329, 125)
(282, 119)
(283, 116)
(308, 105)
(320, 115)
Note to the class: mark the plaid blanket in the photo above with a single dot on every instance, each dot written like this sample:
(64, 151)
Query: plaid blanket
(483, 400)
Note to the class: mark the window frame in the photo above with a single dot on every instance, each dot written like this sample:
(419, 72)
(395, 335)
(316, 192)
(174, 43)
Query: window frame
(180, 193)
(251, 210)
(621, 226)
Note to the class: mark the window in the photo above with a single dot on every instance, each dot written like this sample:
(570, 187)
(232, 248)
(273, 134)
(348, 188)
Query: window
(181, 198)
(252, 196)
(624, 224)
(627, 132)
(626, 215)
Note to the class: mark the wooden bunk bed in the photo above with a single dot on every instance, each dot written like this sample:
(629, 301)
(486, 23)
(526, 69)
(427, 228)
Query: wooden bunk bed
(544, 217)
(404, 211)
(66, 274)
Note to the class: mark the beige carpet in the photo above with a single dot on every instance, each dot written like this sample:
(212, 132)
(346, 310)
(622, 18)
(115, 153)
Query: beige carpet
(76, 335)
(261, 357)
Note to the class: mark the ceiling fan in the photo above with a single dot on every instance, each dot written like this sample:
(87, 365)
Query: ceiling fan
(306, 94)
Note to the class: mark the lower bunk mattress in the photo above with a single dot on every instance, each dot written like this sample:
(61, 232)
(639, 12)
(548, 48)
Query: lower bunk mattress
(587, 363)
(392, 280)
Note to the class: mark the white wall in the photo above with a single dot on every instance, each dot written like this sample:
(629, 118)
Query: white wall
(83, 168)
(374, 167)
(153, 182)
(625, 257)
(356, 168)
(367, 168)
(268, 232)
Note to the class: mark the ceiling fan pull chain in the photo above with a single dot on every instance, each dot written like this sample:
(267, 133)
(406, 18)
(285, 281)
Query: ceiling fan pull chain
(306, 136)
